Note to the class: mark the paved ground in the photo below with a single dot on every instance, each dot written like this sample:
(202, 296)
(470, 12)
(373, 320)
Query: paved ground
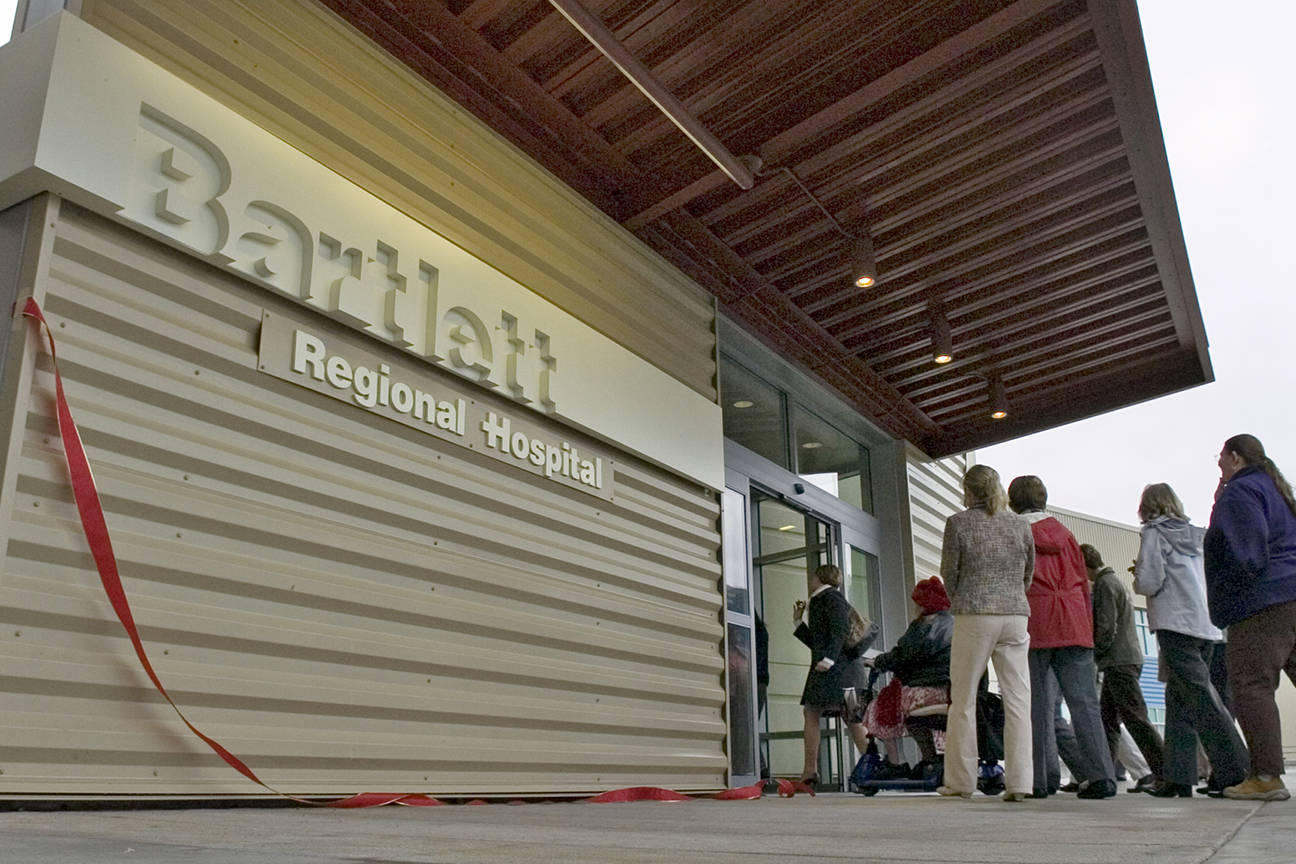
(888, 828)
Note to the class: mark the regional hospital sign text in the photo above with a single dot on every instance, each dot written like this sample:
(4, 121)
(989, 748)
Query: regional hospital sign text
(413, 396)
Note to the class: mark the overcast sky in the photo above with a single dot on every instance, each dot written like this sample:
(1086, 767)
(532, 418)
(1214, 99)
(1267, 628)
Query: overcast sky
(1223, 85)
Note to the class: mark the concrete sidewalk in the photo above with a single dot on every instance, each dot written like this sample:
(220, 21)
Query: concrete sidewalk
(890, 827)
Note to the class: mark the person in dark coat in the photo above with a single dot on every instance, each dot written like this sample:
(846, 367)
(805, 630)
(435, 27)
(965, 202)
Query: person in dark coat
(831, 669)
(920, 666)
(1120, 660)
(1250, 550)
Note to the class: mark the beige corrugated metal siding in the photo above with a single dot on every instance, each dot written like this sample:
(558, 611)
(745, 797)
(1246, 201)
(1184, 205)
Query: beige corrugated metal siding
(296, 70)
(1118, 544)
(935, 494)
(342, 601)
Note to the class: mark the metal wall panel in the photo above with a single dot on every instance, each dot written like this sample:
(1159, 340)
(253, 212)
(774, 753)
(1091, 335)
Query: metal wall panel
(935, 494)
(1118, 544)
(295, 69)
(344, 602)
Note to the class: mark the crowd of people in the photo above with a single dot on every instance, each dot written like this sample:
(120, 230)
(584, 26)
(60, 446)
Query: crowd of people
(1017, 591)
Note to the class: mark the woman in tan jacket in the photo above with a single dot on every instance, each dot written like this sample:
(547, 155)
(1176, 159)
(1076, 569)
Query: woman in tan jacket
(987, 561)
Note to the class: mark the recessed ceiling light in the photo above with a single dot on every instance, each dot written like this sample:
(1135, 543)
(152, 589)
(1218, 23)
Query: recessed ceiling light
(743, 403)
(812, 445)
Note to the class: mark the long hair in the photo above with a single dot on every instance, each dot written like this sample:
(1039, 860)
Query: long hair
(1160, 500)
(1253, 453)
(982, 488)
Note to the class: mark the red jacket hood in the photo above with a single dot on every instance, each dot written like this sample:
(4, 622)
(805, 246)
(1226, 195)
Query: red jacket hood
(1061, 610)
(1051, 536)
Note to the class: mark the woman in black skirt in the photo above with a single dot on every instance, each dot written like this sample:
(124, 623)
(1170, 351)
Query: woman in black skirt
(831, 663)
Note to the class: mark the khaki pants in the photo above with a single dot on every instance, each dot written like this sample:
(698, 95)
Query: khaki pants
(979, 639)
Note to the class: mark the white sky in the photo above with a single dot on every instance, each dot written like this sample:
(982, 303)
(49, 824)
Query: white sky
(1223, 91)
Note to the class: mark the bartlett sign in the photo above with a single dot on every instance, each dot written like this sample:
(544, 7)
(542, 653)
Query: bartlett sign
(344, 370)
(95, 122)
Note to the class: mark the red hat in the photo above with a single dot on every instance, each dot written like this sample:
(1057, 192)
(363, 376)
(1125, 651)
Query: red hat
(930, 595)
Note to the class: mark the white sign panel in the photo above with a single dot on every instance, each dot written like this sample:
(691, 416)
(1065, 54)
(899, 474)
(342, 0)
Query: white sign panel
(124, 137)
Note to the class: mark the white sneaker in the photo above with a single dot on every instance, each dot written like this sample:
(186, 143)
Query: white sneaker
(952, 793)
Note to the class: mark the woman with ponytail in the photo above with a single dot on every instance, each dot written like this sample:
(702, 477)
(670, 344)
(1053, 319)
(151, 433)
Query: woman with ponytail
(1251, 588)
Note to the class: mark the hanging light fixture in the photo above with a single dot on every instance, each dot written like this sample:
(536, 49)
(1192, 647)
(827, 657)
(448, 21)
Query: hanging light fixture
(863, 272)
(863, 267)
(998, 399)
(941, 338)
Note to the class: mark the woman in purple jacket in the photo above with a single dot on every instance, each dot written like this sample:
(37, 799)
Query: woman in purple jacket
(1251, 589)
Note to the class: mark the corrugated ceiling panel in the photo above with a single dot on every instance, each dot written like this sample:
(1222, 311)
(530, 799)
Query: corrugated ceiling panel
(295, 69)
(344, 602)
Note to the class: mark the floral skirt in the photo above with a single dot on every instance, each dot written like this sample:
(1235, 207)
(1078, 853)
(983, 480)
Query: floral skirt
(911, 698)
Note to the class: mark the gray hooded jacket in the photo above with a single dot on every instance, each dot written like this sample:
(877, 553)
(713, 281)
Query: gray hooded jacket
(1170, 572)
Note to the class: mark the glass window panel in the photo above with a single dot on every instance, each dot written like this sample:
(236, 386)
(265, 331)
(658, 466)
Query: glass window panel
(753, 412)
(864, 590)
(742, 719)
(733, 530)
(831, 460)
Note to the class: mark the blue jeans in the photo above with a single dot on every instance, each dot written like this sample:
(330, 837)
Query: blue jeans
(1077, 677)
(1066, 746)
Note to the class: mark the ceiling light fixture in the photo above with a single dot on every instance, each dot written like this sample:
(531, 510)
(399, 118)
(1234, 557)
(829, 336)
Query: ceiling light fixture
(863, 268)
(941, 338)
(743, 403)
(786, 527)
(998, 399)
(812, 445)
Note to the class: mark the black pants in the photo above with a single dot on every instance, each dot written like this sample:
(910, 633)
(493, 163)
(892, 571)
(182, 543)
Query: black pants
(1193, 711)
(1121, 701)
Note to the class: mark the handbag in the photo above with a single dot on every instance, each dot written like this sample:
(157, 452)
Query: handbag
(861, 635)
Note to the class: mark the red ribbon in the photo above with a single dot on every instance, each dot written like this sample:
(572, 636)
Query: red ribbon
(96, 531)
(95, 527)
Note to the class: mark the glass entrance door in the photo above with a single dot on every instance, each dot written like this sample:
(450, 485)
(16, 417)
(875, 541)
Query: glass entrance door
(787, 545)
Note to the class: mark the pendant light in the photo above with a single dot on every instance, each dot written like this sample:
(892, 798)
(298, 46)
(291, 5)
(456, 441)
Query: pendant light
(941, 338)
(863, 267)
(998, 399)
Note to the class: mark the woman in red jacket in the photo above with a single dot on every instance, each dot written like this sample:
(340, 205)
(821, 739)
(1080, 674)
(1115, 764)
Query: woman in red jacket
(1061, 642)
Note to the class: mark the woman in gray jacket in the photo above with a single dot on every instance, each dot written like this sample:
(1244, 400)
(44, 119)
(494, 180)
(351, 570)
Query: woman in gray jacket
(987, 561)
(1170, 572)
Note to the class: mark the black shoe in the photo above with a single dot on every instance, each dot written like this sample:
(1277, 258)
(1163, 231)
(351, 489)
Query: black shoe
(892, 771)
(1143, 782)
(1213, 788)
(1069, 787)
(1166, 789)
(1100, 789)
(1039, 793)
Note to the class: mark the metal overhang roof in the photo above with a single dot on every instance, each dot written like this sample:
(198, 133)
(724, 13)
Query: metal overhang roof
(1004, 157)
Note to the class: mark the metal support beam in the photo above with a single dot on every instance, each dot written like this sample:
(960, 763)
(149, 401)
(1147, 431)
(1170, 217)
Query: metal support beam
(601, 38)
